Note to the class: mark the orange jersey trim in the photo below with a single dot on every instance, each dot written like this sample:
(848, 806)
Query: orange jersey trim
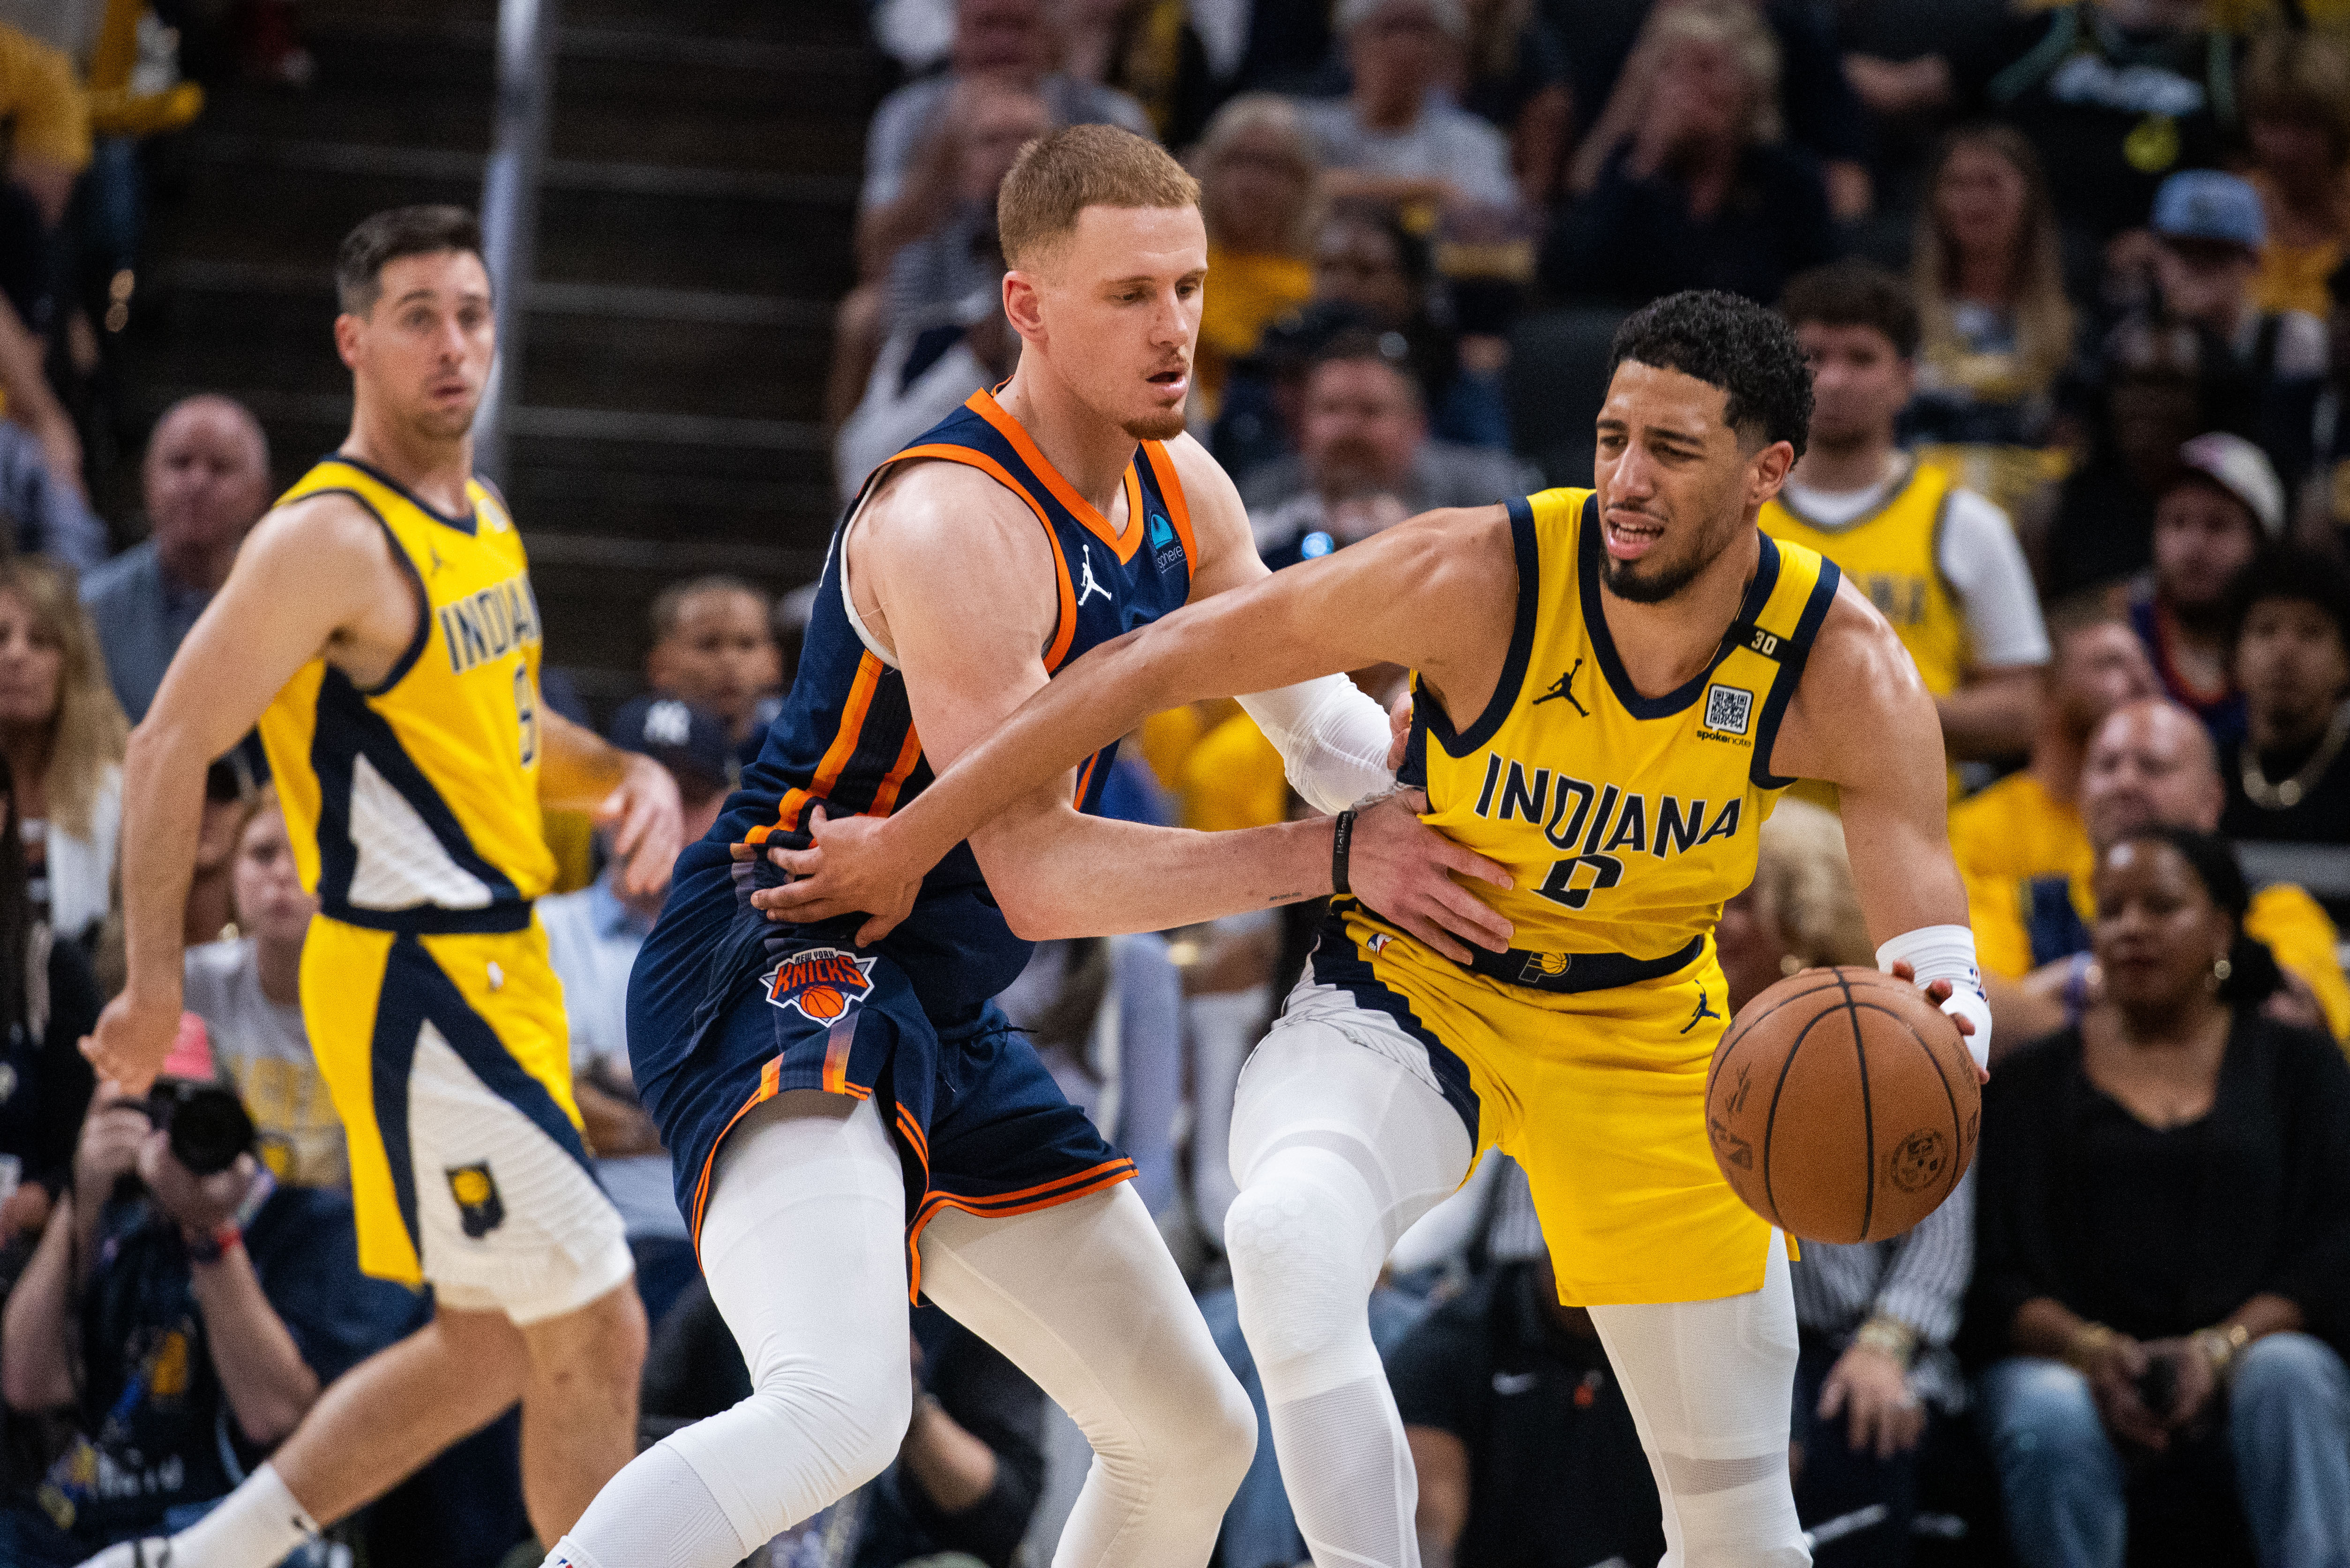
(1108, 1174)
(885, 798)
(1065, 630)
(770, 1078)
(1171, 487)
(982, 403)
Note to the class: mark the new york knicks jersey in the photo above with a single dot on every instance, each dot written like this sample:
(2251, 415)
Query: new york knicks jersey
(1893, 554)
(413, 804)
(846, 735)
(1625, 821)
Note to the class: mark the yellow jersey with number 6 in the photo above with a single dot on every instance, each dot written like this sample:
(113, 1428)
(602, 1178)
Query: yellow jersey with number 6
(1625, 820)
(413, 804)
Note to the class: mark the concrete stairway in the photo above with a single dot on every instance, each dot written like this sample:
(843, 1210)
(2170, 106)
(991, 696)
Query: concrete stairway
(693, 232)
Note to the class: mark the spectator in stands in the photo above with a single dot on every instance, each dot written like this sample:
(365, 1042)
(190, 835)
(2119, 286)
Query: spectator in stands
(592, 938)
(1514, 75)
(1875, 1320)
(187, 1320)
(947, 275)
(2164, 1243)
(1986, 267)
(50, 146)
(969, 1470)
(2208, 230)
(2287, 778)
(2210, 520)
(1366, 460)
(2030, 821)
(62, 734)
(247, 988)
(206, 483)
(1701, 193)
(1940, 561)
(1526, 1451)
(1259, 193)
(2321, 510)
(2151, 763)
(714, 649)
(36, 487)
(1397, 138)
(2297, 94)
(48, 1001)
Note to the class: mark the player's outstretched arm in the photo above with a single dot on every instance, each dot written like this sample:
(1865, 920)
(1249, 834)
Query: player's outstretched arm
(1420, 594)
(632, 798)
(1863, 720)
(314, 578)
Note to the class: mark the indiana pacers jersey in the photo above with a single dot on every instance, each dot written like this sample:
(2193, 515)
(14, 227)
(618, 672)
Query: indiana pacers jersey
(413, 804)
(1893, 554)
(1625, 821)
(846, 735)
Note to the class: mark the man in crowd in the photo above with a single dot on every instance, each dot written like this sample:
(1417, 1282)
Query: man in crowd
(1941, 562)
(2150, 762)
(592, 938)
(715, 649)
(2208, 523)
(2289, 778)
(1398, 137)
(1366, 459)
(188, 1321)
(206, 482)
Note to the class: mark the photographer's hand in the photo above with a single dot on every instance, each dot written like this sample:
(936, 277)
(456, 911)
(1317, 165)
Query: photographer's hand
(199, 1205)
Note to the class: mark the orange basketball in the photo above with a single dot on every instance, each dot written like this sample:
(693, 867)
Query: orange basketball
(1842, 1105)
(821, 1002)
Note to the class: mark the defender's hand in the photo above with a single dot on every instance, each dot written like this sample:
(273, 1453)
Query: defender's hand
(132, 1039)
(1404, 868)
(645, 825)
(851, 868)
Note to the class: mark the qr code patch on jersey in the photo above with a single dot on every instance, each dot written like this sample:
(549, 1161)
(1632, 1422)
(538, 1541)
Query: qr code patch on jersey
(1728, 708)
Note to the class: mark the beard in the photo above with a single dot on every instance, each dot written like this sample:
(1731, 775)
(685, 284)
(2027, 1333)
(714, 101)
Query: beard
(1163, 426)
(1649, 582)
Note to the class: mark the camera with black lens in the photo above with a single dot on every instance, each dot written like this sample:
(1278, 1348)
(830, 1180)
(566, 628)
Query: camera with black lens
(207, 1124)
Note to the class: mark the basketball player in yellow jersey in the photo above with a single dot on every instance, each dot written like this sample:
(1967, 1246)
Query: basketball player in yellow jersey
(1939, 562)
(1614, 686)
(379, 626)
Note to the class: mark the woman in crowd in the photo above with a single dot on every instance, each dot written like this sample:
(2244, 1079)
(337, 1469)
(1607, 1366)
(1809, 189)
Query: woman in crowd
(62, 734)
(1685, 182)
(2163, 1246)
(2297, 119)
(2290, 779)
(1513, 75)
(1257, 179)
(1987, 270)
(1875, 1320)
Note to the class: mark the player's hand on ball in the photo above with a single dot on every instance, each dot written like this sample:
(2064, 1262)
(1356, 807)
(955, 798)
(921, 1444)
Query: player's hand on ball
(1873, 1391)
(645, 825)
(132, 1039)
(848, 868)
(1937, 994)
(1404, 869)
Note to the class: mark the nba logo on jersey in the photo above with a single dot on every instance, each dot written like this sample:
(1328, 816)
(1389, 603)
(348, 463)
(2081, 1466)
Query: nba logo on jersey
(820, 984)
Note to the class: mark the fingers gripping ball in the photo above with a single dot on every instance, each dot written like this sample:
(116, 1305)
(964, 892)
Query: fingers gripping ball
(1842, 1105)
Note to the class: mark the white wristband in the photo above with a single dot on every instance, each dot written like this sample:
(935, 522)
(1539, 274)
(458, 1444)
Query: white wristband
(1947, 953)
(1332, 739)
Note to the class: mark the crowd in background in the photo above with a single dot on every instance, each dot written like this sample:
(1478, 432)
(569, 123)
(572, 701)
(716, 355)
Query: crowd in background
(2070, 279)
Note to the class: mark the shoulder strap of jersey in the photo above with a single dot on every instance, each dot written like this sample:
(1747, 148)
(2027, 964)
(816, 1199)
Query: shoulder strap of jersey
(335, 474)
(1170, 483)
(1781, 635)
(1427, 716)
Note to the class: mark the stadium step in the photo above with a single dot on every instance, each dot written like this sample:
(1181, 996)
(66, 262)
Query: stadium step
(695, 231)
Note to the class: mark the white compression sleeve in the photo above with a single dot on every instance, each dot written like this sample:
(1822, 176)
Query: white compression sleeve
(1947, 953)
(1332, 739)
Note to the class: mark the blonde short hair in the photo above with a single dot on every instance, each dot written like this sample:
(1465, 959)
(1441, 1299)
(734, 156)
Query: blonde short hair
(1803, 887)
(1058, 176)
(87, 731)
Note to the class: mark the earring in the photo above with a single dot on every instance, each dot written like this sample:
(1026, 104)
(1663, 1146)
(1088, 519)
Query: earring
(2221, 969)
(1790, 964)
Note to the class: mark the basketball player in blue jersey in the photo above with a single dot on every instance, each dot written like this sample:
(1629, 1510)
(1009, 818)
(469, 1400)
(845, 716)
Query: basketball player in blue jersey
(1614, 686)
(378, 623)
(852, 1125)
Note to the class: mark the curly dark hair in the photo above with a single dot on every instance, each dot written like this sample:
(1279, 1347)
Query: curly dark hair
(1744, 348)
(2291, 572)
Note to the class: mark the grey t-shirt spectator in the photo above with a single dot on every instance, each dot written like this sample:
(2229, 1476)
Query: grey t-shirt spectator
(262, 1047)
(142, 617)
(910, 113)
(1446, 142)
(47, 515)
(1284, 505)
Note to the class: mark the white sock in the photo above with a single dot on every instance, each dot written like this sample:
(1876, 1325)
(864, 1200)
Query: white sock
(663, 1514)
(253, 1527)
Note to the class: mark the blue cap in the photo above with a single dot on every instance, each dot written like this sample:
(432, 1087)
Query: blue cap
(2205, 204)
(690, 741)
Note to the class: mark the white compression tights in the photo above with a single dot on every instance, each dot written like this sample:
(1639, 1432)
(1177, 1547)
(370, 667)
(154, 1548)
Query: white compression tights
(1338, 1149)
(803, 1249)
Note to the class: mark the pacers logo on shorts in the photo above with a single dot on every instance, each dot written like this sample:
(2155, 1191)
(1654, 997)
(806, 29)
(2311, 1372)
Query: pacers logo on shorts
(820, 984)
(478, 1203)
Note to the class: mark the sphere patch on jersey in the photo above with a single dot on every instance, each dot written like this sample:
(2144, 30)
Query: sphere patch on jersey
(820, 984)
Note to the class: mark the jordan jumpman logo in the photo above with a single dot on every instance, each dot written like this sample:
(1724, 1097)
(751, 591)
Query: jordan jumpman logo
(1563, 687)
(1701, 1015)
(1091, 585)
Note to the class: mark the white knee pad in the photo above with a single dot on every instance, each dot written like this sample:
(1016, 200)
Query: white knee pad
(1306, 1239)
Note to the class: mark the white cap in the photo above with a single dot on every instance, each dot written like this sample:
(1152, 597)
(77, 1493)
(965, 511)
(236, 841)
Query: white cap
(2243, 471)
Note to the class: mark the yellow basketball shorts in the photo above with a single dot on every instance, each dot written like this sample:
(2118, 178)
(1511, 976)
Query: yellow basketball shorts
(1598, 1095)
(448, 1058)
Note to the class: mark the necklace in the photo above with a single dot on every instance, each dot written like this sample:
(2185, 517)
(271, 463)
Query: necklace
(2285, 797)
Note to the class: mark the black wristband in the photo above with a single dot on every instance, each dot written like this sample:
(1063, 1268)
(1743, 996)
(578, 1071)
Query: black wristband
(1339, 841)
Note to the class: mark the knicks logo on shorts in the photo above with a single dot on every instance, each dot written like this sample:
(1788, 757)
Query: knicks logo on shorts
(821, 983)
